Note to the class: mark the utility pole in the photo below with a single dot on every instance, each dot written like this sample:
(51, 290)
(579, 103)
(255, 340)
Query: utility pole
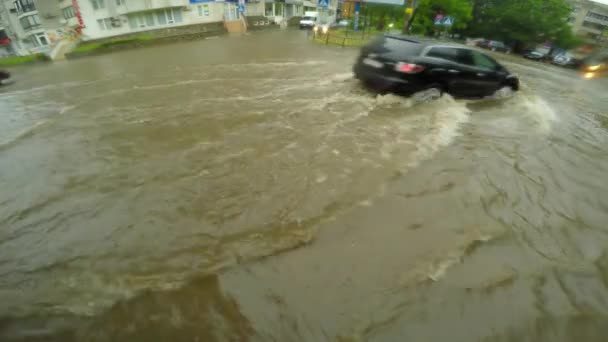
(410, 12)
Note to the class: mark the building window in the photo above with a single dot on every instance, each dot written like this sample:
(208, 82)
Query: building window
(278, 9)
(169, 16)
(68, 12)
(105, 24)
(23, 6)
(98, 4)
(30, 22)
(268, 9)
(162, 17)
(594, 26)
(141, 20)
(177, 14)
(120, 2)
(39, 39)
(203, 10)
(597, 16)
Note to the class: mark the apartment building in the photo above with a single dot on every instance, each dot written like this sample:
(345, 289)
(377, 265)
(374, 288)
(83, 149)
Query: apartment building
(5, 33)
(22, 30)
(34, 26)
(589, 20)
(97, 19)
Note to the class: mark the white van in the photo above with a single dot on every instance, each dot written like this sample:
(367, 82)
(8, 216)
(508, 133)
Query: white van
(309, 20)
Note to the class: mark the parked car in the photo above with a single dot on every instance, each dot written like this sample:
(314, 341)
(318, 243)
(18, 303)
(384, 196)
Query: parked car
(494, 45)
(474, 41)
(564, 60)
(535, 55)
(340, 24)
(5, 77)
(595, 66)
(406, 65)
(308, 21)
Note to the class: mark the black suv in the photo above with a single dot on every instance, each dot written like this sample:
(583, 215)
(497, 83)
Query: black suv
(406, 65)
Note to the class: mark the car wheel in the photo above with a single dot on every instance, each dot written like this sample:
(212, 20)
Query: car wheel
(504, 92)
(429, 94)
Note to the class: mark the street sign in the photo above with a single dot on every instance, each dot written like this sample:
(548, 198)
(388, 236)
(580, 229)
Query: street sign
(443, 21)
(323, 3)
(241, 8)
(386, 2)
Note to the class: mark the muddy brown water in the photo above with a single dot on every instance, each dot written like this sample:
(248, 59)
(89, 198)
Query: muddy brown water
(248, 189)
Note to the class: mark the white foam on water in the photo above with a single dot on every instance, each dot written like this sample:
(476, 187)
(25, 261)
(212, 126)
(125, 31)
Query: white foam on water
(502, 93)
(272, 64)
(447, 117)
(539, 110)
(390, 99)
(66, 109)
(366, 101)
(337, 78)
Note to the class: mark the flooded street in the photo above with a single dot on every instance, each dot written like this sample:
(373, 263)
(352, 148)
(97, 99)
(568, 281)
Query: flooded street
(249, 189)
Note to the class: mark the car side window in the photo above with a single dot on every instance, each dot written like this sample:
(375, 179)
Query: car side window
(451, 54)
(483, 62)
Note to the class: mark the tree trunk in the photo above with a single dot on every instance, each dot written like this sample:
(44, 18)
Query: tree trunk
(407, 27)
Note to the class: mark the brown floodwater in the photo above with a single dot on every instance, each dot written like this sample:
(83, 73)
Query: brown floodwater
(249, 189)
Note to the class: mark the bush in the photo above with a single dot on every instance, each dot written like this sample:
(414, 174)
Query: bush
(18, 60)
(92, 46)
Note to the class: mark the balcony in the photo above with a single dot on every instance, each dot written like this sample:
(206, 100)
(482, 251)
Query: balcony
(30, 22)
(591, 30)
(148, 5)
(23, 8)
(596, 20)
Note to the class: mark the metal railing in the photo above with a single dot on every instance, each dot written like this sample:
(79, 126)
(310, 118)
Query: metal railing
(342, 38)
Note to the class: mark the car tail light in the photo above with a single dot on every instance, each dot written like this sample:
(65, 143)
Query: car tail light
(408, 68)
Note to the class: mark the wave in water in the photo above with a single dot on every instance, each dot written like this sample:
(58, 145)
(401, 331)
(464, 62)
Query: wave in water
(25, 133)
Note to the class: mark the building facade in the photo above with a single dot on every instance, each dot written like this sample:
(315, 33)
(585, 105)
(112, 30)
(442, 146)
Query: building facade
(589, 21)
(97, 19)
(22, 28)
(38, 26)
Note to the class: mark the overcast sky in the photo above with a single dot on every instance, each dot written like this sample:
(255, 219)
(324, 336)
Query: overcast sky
(602, 1)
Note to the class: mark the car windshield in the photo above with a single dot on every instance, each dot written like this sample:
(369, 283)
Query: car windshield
(308, 18)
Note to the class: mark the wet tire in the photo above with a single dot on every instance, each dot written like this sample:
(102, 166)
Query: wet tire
(505, 92)
(429, 94)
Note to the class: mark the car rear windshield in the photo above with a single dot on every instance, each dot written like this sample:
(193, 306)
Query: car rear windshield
(394, 48)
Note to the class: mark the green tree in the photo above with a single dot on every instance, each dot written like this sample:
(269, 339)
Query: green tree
(423, 20)
(523, 22)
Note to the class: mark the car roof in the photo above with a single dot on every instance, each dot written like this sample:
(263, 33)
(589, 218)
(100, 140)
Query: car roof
(426, 41)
